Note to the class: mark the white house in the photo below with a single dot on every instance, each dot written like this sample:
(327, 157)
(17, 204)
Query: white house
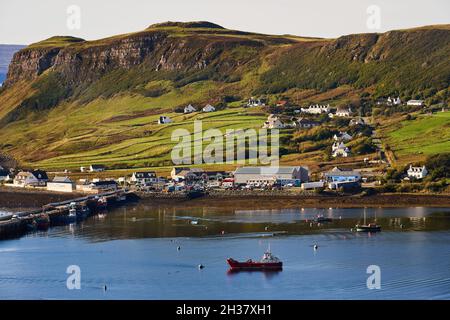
(164, 120)
(342, 136)
(343, 112)
(273, 122)
(96, 168)
(252, 102)
(415, 103)
(61, 184)
(339, 149)
(208, 108)
(417, 172)
(316, 109)
(33, 178)
(357, 121)
(393, 101)
(144, 178)
(189, 109)
(270, 175)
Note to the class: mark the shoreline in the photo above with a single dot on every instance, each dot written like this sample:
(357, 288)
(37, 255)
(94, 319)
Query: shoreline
(24, 199)
(305, 201)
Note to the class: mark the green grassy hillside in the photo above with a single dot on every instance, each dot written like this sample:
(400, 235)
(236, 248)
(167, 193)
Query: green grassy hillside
(69, 102)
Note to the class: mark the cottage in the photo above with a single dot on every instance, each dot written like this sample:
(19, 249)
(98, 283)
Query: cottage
(61, 184)
(316, 109)
(185, 173)
(316, 185)
(304, 123)
(164, 120)
(208, 108)
(252, 102)
(273, 122)
(417, 172)
(418, 103)
(189, 109)
(343, 112)
(97, 168)
(342, 175)
(339, 149)
(270, 175)
(393, 101)
(33, 178)
(357, 122)
(282, 103)
(342, 136)
(144, 178)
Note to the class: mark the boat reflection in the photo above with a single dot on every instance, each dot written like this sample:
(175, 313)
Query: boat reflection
(269, 274)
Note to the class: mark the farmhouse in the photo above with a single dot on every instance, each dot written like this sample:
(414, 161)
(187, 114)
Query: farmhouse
(303, 123)
(393, 101)
(189, 109)
(357, 122)
(252, 102)
(342, 136)
(343, 112)
(185, 173)
(97, 168)
(417, 172)
(316, 109)
(164, 120)
(33, 178)
(273, 122)
(208, 108)
(282, 103)
(339, 149)
(418, 103)
(61, 184)
(270, 175)
(144, 178)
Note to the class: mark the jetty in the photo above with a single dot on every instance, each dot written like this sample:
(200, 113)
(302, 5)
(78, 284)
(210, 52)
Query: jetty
(60, 213)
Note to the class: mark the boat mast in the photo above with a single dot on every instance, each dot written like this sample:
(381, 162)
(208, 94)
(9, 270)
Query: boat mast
(364, 216)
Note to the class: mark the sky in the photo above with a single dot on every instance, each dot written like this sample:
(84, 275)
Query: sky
(28, 21)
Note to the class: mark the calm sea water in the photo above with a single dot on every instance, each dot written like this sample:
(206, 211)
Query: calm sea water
(133, 251)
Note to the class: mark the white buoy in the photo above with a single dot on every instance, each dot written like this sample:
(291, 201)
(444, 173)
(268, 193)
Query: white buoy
(178, 248)
(316, 247)
(200, 266)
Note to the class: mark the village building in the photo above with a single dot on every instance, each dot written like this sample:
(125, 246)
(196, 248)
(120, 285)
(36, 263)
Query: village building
(98, 186)
(185, 173)
(316, 109)
(343, 112)
(189, 109)
(393, 101)
(271, 175)
(61, 184)
(418, 103)
(342, 175)
(164, 120)
(97, 168)
(144, 178)
(35, 178)
(357, 122)
(339, 149)
(273, 122)
(208, 108)
(282, 103)
(342, 136)
(304, 123)
(417, 172)
(252, 102)
(315, 185)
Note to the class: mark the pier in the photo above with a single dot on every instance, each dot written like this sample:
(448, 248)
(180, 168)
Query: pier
(60, 213)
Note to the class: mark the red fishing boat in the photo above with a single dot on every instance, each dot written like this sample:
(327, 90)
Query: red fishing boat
(268, 262)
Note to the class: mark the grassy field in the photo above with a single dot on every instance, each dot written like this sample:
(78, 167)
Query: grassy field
(413, 140)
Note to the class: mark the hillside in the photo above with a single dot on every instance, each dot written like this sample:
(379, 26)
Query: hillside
(69, 102)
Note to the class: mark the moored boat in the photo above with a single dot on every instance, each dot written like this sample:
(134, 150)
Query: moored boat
(268, 262)
(371, 227)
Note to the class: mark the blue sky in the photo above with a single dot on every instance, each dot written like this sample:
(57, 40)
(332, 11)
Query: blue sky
(27, 21)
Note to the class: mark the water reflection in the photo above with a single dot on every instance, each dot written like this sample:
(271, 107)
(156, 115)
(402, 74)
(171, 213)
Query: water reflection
(143, 221)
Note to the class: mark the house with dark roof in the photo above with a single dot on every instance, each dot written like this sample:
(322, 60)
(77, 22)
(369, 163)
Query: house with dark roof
(97, 168)
(144, 178)
(34, 178)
